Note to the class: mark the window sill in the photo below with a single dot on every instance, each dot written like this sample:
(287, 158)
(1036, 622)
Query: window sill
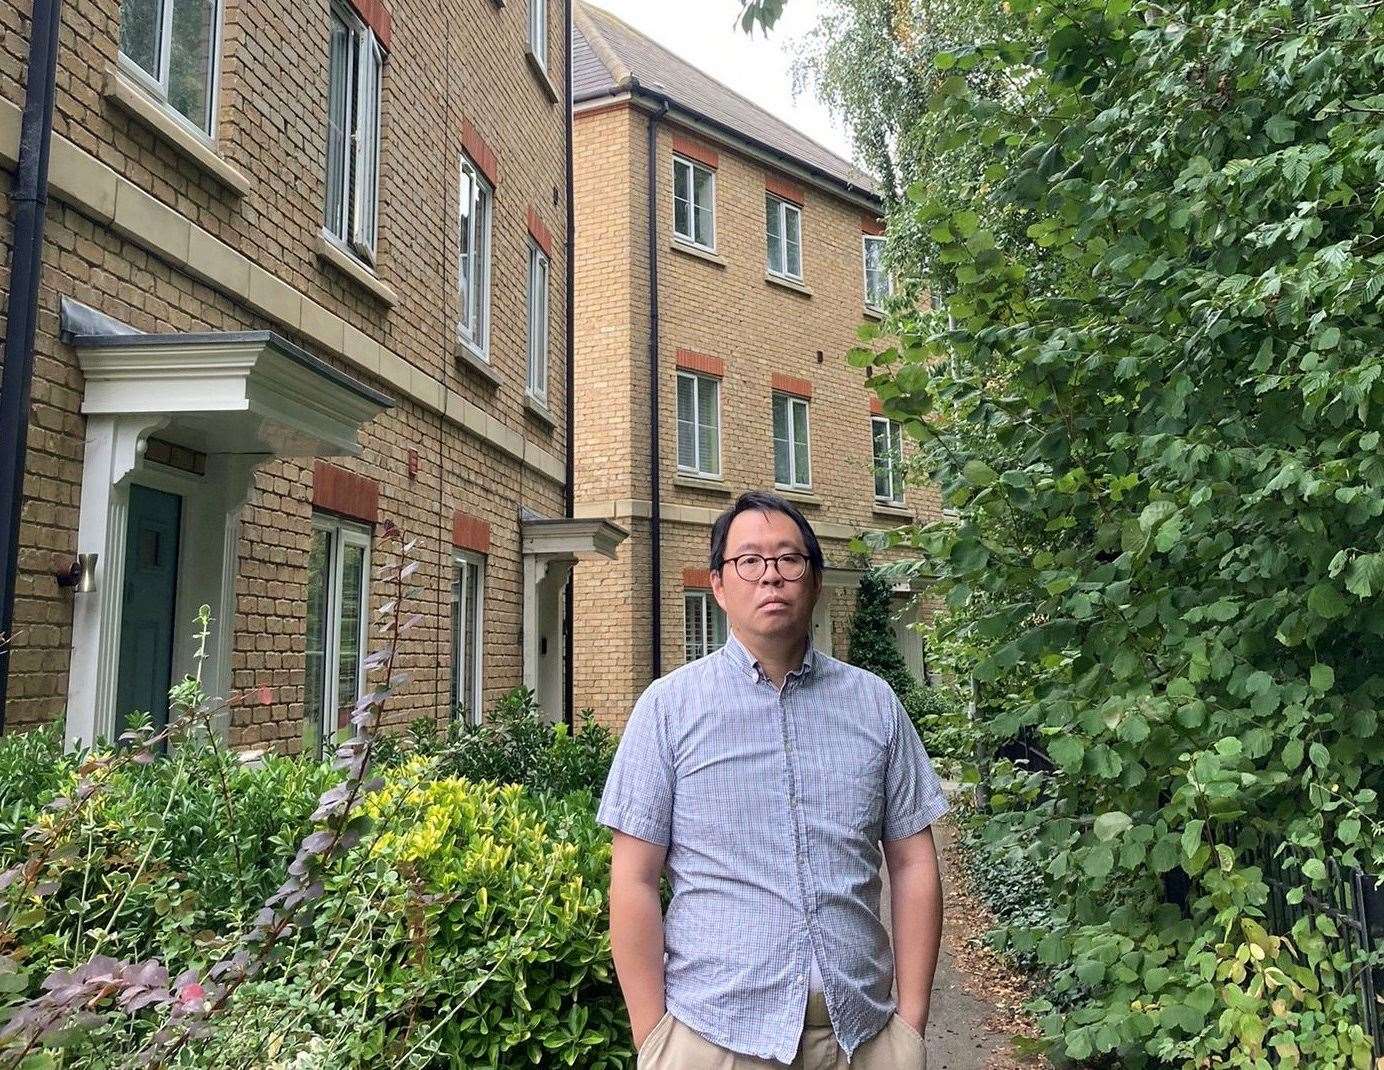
(136, 101)
(801, 497)
(332, 254)
(539, 411)
(691, 250)
(873, 314)
(897, 512)
(787, 283)
(703, 483)
(473, 360)
(540, 72)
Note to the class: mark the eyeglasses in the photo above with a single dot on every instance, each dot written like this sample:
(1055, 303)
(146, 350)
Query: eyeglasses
(750, 567)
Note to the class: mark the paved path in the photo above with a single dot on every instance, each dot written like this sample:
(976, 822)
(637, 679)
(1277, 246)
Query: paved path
(958, 1037)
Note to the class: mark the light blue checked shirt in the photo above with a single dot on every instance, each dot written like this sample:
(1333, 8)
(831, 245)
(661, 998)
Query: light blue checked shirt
(772, 805)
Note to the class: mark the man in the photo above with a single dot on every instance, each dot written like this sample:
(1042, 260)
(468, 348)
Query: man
(765, 775)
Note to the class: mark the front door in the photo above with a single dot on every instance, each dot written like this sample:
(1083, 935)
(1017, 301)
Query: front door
(146, 616)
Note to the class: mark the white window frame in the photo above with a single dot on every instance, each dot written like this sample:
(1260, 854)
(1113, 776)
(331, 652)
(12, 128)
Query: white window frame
(475, 335)
(865, 240)
(699, 382)
(783, 207)
(462, 561)
(341, 533)
(158, 86)
(354, 223)
(538, 30)
(893, 447)
(704, 604)
(539, 288)
(793, 484)
(694, 167)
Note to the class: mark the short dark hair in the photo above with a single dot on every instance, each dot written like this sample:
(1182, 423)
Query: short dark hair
(766, 503)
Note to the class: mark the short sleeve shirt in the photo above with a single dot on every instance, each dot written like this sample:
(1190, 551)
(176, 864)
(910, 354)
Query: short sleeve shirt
(772, 804)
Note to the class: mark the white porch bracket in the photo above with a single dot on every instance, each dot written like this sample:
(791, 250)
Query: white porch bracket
(551, 548)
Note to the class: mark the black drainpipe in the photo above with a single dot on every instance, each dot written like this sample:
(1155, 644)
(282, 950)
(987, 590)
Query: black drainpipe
(30, 198)
(569, 493)
(655, 530)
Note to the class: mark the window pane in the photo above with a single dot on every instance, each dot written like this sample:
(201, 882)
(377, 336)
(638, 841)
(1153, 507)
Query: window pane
(792, 222)
(338, 135)
(896, 459)
(708, 420)
(693, 628)
(682, 198)
(801, 474)
(319, 579)
(716, 625)
(687, 422)
(881, 457)
(538, 29)
(538, 323)
(471, 665)
(705, 206)
(365, 191)
(466, 211)
(458, 635)
(141, 25)
(782, 467)
(480, 258)
(191, 60)
(348, 657)
(773, 233)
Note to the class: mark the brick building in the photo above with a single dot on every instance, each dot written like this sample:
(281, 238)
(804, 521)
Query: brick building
(709, 349)
(305, 270)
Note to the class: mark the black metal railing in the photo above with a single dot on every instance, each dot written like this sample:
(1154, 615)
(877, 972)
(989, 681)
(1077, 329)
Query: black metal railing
(1354, 901)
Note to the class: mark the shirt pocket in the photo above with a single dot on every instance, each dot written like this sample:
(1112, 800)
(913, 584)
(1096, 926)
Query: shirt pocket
(848, 789)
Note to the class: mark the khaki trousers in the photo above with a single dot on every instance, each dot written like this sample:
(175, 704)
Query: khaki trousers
(674, 1046)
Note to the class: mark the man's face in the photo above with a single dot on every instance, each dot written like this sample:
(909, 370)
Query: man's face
(771, 608)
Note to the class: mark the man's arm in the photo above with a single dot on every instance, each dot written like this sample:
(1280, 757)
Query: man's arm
(915, 890)
(636, 929)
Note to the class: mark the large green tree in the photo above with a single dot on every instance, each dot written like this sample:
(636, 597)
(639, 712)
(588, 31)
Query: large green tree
(1161, 418)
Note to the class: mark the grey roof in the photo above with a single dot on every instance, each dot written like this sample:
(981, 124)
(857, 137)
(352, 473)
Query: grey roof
(610, 57)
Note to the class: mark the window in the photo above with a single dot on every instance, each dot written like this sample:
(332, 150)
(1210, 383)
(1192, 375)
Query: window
(538, 30)
(475, 194)
(705, 624)
(468, 617)
(338, 578)
(694, 203)
(792, 457)
(538, 324)
(877, 284)
(783, 227)
(172, 46)
(888, 454)
(353, 132)
(699, 424)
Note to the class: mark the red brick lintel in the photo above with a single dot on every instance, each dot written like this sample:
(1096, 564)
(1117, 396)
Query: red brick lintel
(696, 578)
(480, 152)
(470, 532)
(871, 225)
(701, 362)
(696, 150)
(876, 407)
(541, 234)
(345, 493)
(785, 190)
(791, 384)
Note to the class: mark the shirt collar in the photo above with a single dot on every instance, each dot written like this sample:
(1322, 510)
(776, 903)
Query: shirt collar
(737, 652)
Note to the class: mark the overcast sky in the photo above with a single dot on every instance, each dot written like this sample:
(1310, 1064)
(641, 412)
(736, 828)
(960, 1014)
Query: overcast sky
(706, 34)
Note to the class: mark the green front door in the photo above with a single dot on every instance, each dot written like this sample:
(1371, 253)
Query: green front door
(146, 616)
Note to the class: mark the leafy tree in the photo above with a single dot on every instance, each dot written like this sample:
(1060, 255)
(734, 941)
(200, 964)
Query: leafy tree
(871, 641)
(1158, 406)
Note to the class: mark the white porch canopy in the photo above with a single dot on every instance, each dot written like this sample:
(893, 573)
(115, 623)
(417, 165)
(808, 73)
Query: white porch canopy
(234, 399)
(551, 547)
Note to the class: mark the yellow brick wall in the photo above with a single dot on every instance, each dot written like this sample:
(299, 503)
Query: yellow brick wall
(449, 61)
(727, 309)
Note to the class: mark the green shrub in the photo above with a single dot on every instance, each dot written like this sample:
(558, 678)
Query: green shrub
(939, 715)
(33, 769)
(514, 746)
(872, 645)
